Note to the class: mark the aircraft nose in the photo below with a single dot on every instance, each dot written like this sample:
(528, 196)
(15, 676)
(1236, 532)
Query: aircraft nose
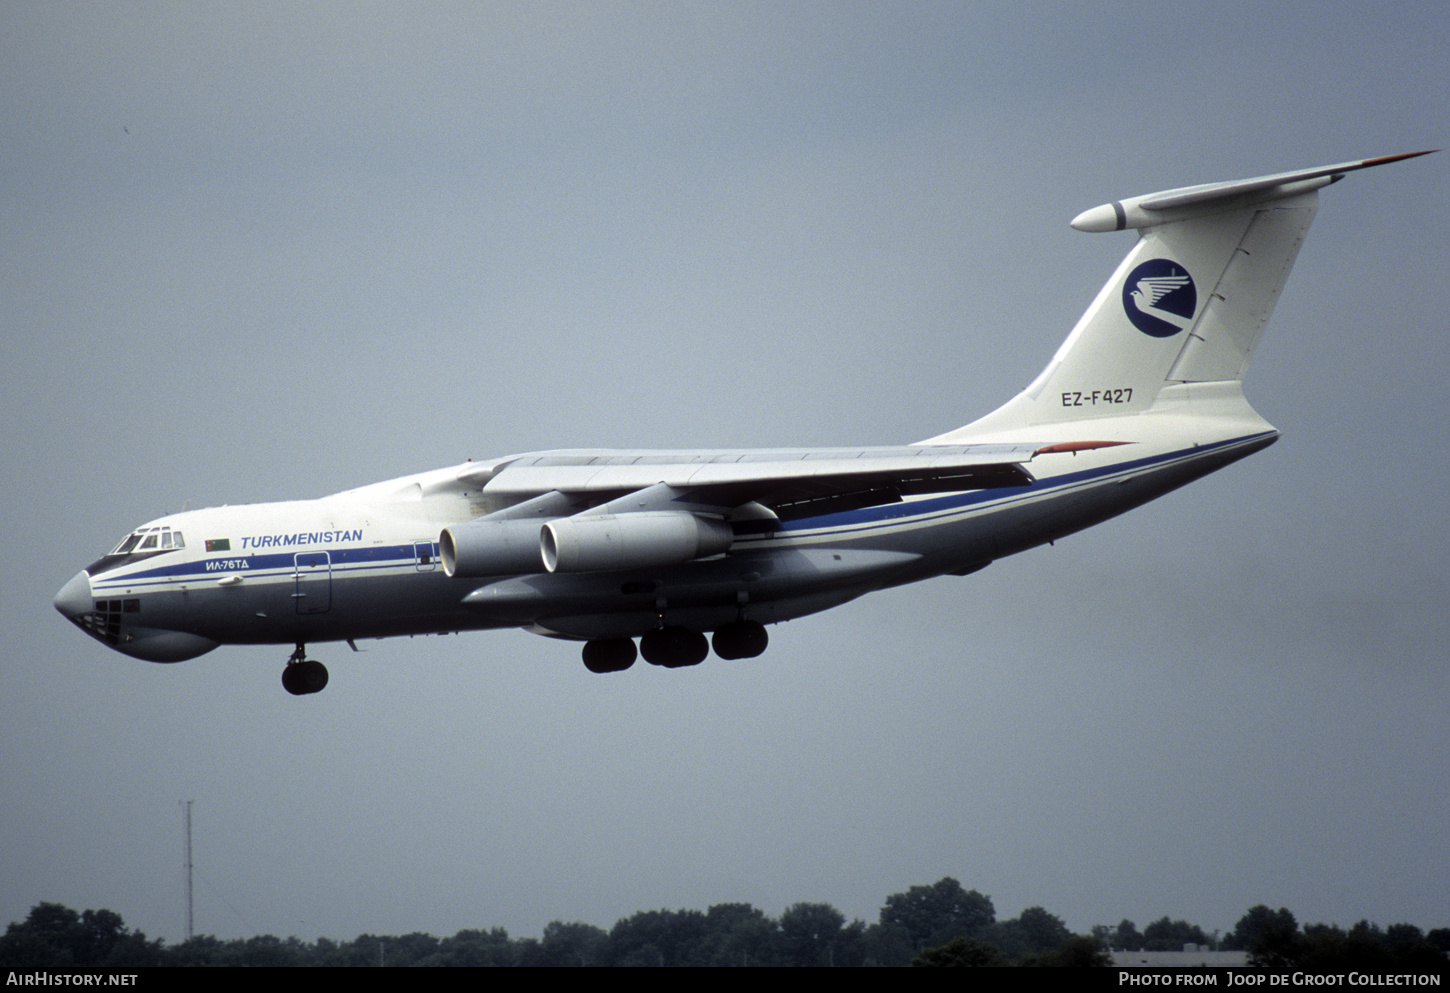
(74, 597)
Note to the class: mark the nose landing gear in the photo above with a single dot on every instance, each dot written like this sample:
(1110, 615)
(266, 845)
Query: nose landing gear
(303, 675)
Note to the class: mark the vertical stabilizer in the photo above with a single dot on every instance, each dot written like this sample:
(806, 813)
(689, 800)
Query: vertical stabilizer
(1186, 306)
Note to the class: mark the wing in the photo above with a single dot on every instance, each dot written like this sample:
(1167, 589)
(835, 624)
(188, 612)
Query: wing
(600, 511)
(788, 483)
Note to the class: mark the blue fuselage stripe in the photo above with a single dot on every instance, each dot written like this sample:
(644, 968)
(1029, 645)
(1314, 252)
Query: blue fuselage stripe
(895, 513)
(273, 564)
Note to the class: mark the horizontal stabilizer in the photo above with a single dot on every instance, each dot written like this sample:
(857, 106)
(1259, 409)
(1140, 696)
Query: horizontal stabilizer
(1152, 209)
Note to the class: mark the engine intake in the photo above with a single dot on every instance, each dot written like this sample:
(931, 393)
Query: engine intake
(491, 548)
(608, 542)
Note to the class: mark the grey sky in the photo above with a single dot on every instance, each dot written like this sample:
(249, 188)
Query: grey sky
(258, 252)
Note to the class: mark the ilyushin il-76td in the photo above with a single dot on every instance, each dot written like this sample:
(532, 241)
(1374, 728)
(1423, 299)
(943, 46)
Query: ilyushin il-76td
(681, 551)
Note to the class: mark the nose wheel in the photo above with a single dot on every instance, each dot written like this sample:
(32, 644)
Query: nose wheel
(303, 675)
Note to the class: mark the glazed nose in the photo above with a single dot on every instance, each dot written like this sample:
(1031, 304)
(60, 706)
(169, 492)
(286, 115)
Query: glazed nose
(74, 598)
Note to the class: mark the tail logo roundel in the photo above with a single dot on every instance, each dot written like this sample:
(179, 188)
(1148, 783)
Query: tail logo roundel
(1159, 298)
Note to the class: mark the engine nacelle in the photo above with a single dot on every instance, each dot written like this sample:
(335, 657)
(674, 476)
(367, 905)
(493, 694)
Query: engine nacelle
(491, 548)
(609, 542)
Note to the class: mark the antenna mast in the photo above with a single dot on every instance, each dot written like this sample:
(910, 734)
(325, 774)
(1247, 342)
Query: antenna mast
(188, 870)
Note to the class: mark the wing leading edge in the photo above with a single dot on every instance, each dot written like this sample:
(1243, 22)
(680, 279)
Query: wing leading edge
(790, 483)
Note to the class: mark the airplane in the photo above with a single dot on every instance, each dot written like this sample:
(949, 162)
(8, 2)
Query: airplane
(608, 546)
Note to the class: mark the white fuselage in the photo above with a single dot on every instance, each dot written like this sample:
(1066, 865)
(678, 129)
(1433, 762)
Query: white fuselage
(366, 563)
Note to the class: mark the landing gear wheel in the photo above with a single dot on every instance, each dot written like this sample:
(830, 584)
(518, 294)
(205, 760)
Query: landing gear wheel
(743, 639)
(313, 676)
(673, 647)
(303, 676)
(609, 654)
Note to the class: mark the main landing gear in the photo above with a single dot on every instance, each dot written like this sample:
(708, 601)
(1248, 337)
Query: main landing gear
(303, 675)
(742, 639)
(675, 647)
(609, 654)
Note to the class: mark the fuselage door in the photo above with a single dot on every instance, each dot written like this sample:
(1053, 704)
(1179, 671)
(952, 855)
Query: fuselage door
(425, 555)
(313, 575)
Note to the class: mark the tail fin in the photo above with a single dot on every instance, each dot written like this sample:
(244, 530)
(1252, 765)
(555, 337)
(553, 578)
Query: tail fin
(1187, 305)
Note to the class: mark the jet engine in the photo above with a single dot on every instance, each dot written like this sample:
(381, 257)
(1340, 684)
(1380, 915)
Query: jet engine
(491, 548)
(607, 542)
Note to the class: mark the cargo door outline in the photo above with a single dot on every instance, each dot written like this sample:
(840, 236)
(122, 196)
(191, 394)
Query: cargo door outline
(313, 577)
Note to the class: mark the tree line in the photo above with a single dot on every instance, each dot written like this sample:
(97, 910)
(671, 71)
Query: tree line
(942, 924)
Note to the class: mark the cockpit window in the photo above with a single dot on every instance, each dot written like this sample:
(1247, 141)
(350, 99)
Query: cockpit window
(141, 543)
